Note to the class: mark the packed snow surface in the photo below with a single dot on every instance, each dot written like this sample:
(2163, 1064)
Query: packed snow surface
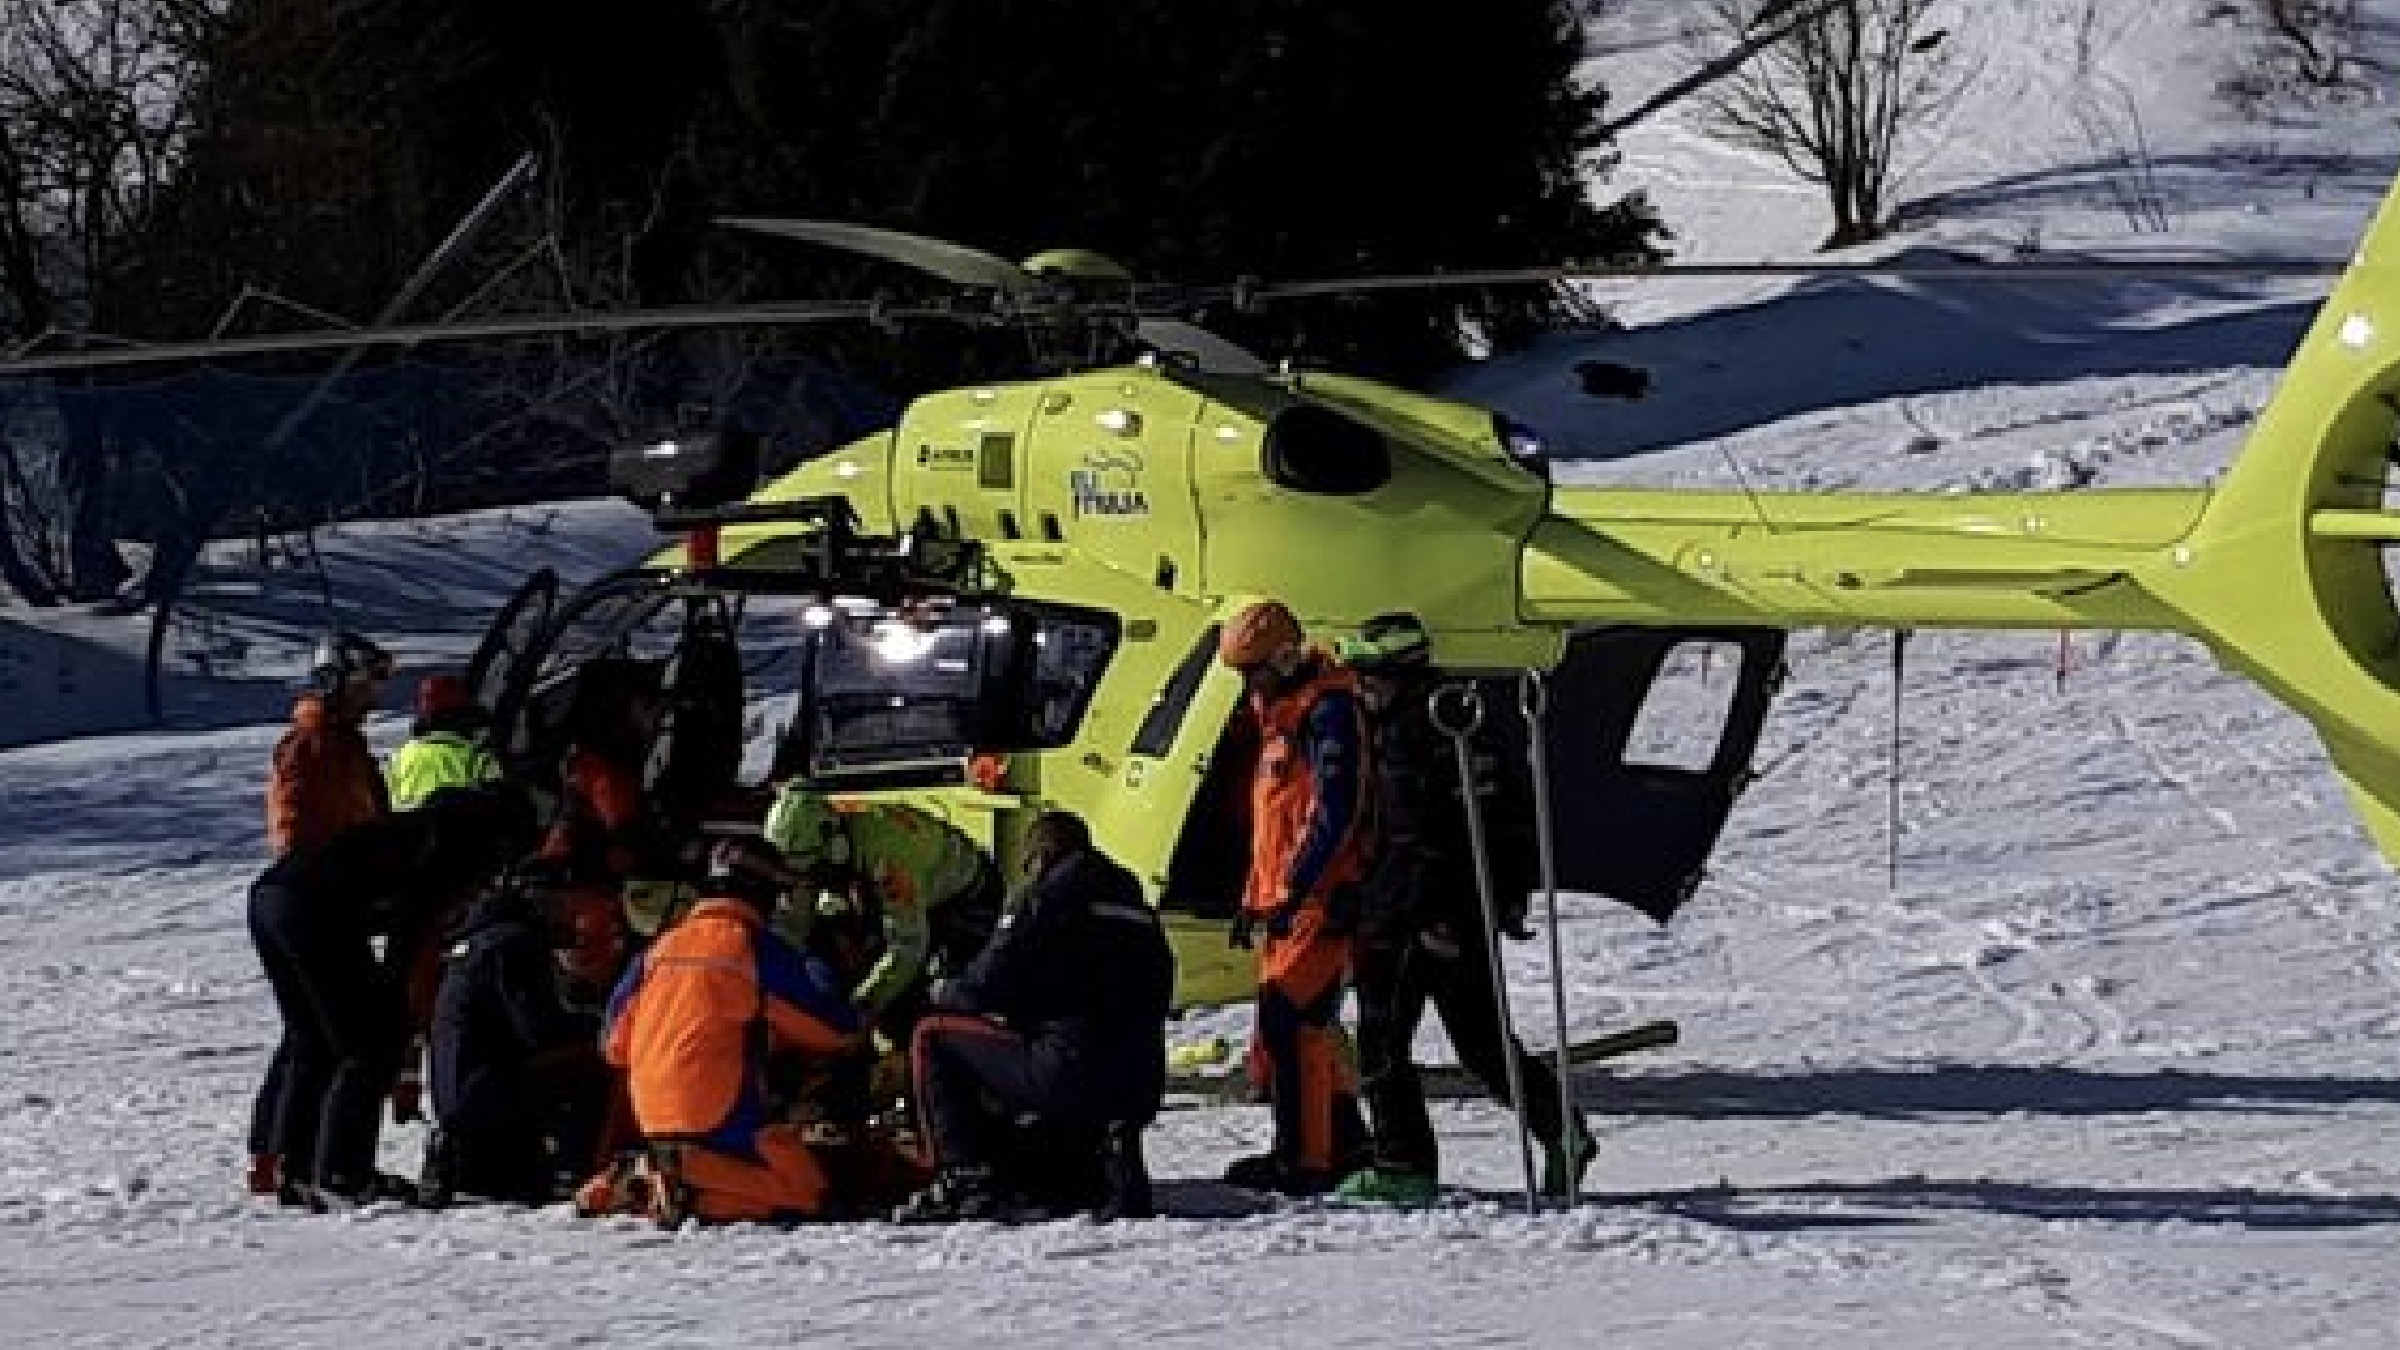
(2106, 1059)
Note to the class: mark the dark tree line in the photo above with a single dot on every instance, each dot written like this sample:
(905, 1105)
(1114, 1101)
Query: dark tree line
(317, 154)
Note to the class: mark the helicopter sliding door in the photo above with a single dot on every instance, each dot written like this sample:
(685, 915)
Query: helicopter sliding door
(1650, 736)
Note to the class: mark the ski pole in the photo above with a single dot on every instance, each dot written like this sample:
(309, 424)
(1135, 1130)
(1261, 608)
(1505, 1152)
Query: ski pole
(1533, 700)
(1470, 717)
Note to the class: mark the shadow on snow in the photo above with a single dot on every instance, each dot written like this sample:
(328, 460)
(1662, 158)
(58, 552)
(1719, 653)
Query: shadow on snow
(1956, 1090)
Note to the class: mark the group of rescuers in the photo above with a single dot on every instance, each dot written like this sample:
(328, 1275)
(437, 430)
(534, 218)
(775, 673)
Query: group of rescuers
(434, 921)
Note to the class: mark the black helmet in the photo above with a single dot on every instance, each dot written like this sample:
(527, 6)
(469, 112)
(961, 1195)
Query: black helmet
(344, 656)
(746, 867)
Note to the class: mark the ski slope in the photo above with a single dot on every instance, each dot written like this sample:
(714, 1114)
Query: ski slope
(2107, 1060)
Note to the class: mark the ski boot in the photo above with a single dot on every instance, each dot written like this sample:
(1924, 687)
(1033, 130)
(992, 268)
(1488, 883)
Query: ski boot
(958, 1195)
(639, 1183)
(343, 1197)
(1392, 1186)
(608, 1191)
(437, 1179)
(1266, 1172)
(1125, 1176)
(1565, 1162)
(670, 1196)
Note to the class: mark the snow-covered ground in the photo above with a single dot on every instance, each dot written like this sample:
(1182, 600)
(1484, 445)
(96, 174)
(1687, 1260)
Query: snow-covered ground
(2111, 1061)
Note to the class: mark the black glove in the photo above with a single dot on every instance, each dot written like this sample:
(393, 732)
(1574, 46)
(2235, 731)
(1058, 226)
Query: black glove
(1238, 935)
(1279, 923)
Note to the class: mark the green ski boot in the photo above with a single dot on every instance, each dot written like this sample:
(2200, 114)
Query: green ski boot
(1565, 1162)
(1379, 1186)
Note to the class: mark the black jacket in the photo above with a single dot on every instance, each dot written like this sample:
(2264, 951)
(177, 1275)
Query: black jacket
(500, 1007)
(1081, 967)
(395, 876)
(1422, 871)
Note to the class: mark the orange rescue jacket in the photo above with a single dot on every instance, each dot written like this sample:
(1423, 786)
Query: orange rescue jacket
(1307, 837)
(323, 780)
(694, 1019)
(600, 819)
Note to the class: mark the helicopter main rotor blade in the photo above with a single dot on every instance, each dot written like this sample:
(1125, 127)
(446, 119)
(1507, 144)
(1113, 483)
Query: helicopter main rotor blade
(471, 330)
(951, 262)
(2094, 270)
(1215, 354)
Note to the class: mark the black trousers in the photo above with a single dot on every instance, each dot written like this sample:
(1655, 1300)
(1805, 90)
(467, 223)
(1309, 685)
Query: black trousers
(264, 1105)
(977, 1082)
(345, 1028)
(973, 1079)
(518, 1146)
(1396, 977)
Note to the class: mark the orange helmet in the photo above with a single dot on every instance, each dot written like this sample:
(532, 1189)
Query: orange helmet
(1257, 634)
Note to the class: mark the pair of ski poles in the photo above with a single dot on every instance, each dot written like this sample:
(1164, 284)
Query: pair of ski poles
(1465, 698)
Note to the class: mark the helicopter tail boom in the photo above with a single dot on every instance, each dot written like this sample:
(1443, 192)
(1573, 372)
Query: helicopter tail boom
(2017, 560)
(2280, 570)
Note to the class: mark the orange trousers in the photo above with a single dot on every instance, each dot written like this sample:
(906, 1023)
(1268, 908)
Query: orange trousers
(783, 1182)
(1317, 1121)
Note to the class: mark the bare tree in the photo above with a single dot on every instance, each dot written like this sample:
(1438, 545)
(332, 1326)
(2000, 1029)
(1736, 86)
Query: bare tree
(1834, 97)
(93, 113)
(2318, 37)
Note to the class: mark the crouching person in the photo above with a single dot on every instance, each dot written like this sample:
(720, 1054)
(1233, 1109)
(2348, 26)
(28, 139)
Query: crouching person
(692, 1025)
(1043, 1062)
(519, 1089)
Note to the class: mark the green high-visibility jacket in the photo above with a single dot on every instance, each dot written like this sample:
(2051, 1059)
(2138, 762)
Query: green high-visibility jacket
(437, 760)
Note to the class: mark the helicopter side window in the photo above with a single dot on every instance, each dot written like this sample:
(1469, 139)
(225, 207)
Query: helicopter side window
(1070, 654)
(1313, 449)
(1165, 718)
(1686, 709)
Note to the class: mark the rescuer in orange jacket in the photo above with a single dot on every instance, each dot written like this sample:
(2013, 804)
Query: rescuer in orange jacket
(606, 830)
(692, 1025)
(1308, 816)
(322, 780)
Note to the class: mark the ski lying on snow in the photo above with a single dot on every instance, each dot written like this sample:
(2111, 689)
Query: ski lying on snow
(1440, 1080)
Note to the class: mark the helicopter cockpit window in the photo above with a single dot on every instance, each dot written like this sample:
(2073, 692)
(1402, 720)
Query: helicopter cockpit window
(896, 690)
(888, 691)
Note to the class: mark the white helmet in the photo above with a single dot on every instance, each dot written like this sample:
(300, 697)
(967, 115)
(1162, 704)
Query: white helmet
(344, 656)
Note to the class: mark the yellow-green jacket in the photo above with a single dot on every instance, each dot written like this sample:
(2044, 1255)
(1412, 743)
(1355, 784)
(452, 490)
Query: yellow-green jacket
(438, 759)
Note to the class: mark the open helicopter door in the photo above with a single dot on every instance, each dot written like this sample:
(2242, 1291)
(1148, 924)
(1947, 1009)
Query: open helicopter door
(536, 695)
(1651, 733)
(515, 631)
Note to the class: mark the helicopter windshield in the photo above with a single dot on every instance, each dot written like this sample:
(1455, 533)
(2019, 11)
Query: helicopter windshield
(892, 690)
(888, 692)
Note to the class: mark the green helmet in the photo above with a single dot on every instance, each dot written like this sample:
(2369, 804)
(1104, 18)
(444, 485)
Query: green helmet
(804, 825)
(1387, 643)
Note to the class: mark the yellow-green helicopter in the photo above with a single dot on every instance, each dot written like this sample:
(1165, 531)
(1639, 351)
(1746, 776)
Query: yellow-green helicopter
(1008, 600)
(1011, 596)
